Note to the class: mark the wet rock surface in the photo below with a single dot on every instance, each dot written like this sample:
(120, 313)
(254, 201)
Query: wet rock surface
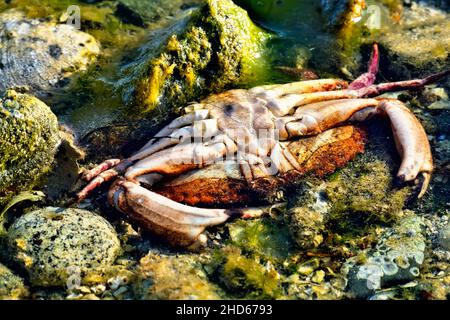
(426, 27)
(41, 55)
(396, 259)
(53, 243)
(182, 63)
(29, 137)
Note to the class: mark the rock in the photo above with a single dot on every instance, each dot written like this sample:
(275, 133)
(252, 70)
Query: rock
(173, 278)
(246, 277)
(444, 238)
(207, 51)
(52, 243)
(29, 139)
(41, 55)
(428, 29)
(396, 259)
(141, 13)
(345, 202)
(12, 286)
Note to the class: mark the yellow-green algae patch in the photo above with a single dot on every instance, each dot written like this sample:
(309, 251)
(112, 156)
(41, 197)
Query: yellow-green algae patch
(245, 277)
(210, 50)
(173, 277)
(29, 139)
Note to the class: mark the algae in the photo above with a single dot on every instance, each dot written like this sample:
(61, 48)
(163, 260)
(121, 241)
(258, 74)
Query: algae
(210, 50)
(30, 136)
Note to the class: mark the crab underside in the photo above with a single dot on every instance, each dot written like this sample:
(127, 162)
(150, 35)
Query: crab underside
(266, 135)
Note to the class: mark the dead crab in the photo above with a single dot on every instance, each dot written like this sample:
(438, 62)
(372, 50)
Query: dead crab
(258, 132)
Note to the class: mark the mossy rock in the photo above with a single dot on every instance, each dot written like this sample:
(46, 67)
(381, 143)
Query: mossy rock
(29, 138)
(429, 30)
(53, 243)
(245, 277)
(177, 277)
(12, 287)
(210, 50)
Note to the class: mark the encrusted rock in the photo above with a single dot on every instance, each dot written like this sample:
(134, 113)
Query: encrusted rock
(426, 27)
(173, 277)
(52, 244)
(29, 138)
(444, 238)
(207, 51)
(396, 259)
(351, 197)
(41, 55)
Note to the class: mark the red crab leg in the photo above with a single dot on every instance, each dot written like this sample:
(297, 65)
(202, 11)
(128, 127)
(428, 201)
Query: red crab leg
(368, 78)
(103, 173)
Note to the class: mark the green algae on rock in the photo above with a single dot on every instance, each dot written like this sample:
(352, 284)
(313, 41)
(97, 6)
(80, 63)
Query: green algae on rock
(41, 55)
(12, 287)
(246, 277)
(353, 196)
(52, 243)
(177, 277)
(208, 51)
(428, 29)
(395, 259)
(29, 138)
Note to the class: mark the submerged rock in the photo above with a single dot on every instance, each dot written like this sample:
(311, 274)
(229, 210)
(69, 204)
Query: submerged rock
(50, 244)
(351, 197)
(11, 286)
(246, 277)
(41, 55)
(29, 139)
(444, 238)
(426, 27)
(208, 51)
(173, 278)
(396, 259)
(142, 13)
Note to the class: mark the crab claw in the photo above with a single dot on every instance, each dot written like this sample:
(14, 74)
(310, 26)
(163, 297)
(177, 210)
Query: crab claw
(181, 225)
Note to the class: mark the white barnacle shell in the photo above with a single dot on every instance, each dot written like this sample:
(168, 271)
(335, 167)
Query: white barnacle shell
(389, 268)
(414, 271)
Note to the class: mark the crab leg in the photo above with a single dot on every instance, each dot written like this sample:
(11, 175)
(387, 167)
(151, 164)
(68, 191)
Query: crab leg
(278, 90)
(176, 132)
(411, 139)
(182, 158)
(368, 78)
(285, 105)
(180, 224)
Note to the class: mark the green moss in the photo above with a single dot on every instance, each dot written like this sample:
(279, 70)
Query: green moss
(264, 237)
(366, 194)
(212, 49)
(29, 135)
(247, 277)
